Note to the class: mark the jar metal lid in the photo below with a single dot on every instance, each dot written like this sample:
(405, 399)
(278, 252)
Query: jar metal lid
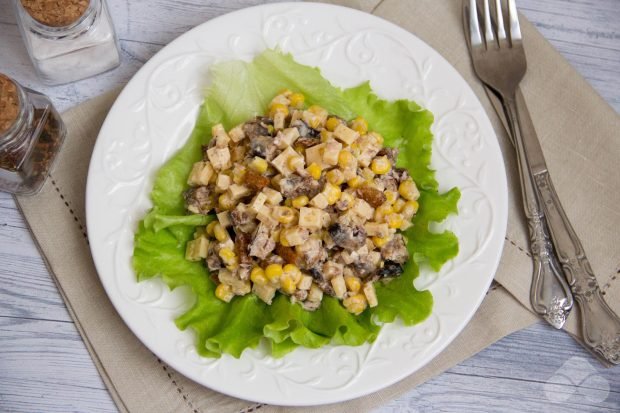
(9, 103)
(58, 13)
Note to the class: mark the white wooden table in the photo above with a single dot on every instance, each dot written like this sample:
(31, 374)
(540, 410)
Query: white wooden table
(44, 365)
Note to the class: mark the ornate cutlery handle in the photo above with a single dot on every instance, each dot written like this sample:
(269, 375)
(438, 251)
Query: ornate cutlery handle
(599, 324)
(550, 294)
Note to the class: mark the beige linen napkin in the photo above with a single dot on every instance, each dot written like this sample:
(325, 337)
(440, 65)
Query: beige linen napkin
(577, 130)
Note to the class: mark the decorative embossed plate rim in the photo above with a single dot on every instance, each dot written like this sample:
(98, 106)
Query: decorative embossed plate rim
(155, 113)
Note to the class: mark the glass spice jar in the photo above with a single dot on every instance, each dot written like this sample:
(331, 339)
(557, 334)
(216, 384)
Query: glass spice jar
(31, 133)
(68, 40)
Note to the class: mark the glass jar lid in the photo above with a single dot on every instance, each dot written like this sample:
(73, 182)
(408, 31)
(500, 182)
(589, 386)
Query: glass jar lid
(9, 103)
(58, 13)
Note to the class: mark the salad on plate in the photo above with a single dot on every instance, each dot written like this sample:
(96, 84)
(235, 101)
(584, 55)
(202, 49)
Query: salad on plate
(297, 213)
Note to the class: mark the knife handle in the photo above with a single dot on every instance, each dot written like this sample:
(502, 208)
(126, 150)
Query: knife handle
(550, 294)
(600, 325)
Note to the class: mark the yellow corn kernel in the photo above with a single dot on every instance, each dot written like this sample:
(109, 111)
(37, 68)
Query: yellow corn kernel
(284, 215)
(227, 255)
(220, 233)
(394, 221)
(333, 193)
(259, 165)
(353, 284)
(355, 304)
(224, 292)
(295, 163)
(398, 205)
(332, 123)
(278, 108)
(391, 196)
(233, 267)
(300, 149)
(408, 190)
(325, 135)
(355, 182)
(300, 202)
(317, 110)
(225, 201)
(335, 177)
(283, 241)
(382, 211)
(287, 284)
(293, 271)
(345, 159)
(410, 209)
(257, 275)
(273, 272)
(381, 165)
(288, 202)
(297, 100)
(210, 228)
(360, 125)
(380, 242)
(314, 170)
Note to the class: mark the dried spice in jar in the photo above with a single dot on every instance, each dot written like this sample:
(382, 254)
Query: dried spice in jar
(68, 40)
(31, 133)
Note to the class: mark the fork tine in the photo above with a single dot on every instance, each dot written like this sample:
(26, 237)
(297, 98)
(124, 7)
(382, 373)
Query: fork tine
(501, 32)
(488, 27)
(474, 27)
(515, 29)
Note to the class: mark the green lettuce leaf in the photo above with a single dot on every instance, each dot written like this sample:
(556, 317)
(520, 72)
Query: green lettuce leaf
(239, 91)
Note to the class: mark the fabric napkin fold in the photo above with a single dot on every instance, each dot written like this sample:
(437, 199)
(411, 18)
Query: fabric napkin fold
(578, 134)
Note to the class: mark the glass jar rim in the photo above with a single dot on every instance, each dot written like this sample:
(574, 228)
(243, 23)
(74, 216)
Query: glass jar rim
(79, 26)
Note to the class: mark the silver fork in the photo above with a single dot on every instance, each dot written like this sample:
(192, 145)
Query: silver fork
(499, 61)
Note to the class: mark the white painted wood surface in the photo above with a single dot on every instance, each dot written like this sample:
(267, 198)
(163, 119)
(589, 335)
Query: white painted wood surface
(44, 366)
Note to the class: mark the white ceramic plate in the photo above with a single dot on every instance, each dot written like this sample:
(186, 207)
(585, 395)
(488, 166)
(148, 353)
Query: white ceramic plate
(153, 117)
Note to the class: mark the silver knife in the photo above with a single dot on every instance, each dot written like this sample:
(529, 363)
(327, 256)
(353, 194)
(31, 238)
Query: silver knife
(600, 326)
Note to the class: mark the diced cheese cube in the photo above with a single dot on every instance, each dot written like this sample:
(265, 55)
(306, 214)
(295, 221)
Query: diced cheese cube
(281, 99)
(222, 182)
(278, 120)
(314, 154)
(238, 191)
(375, 229)
(315, 294)
(239, 286)
(219, 157)
(264, 215)
(363, 209)
(305, 283)
(331, 152)
(295, 116)
(349, 173)
(332, 269)
(319, 201)
(273, 197)
(310, 218)
(281, 162)
(374, 257)
(265, 292)
(312, 119)
(226, 244)
(221, 137)
(295, 235)
(345, 134)
(369, 148)
(197, 249)
(371, 295)
(237, 134)
(258, 202)
(339, 286)
(224, 219)
(286, 137)
(201, 174)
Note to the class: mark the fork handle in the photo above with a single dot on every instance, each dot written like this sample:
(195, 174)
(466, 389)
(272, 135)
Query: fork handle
(549, 293)
(600, 326)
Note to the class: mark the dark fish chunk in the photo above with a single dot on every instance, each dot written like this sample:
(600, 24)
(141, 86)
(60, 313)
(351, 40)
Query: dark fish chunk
(351, 237)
